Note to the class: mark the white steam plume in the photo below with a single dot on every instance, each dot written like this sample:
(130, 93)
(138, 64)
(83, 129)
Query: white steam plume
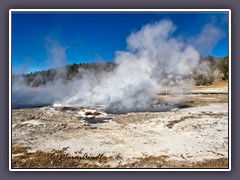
(154, 58)
(208, 38)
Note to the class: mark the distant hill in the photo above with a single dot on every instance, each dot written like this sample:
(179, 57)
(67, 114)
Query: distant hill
(66, 73)
(203, 74)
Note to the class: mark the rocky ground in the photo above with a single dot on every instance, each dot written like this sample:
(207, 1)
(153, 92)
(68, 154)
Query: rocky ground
(193, 135)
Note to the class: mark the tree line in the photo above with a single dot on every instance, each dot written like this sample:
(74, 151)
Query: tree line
(203, 74)
(215, 66)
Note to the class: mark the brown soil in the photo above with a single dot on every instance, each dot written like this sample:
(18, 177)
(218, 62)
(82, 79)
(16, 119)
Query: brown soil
(172, 123)
(56, 159)
(163, 162)
(60, 159)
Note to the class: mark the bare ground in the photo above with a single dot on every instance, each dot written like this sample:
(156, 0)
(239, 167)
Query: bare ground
(195, 135)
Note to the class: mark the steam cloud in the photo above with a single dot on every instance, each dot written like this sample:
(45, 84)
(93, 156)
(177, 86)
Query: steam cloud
(154, 58)
(213, 33)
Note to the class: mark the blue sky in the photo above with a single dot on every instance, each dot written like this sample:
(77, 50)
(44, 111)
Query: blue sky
(40, 39)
